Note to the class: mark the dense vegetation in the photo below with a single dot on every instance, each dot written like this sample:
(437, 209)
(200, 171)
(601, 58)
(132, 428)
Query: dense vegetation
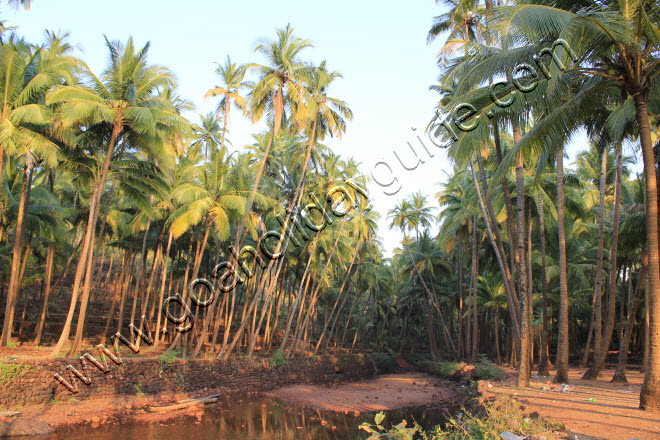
(113, 200)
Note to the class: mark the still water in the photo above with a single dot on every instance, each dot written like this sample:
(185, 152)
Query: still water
(254, 418)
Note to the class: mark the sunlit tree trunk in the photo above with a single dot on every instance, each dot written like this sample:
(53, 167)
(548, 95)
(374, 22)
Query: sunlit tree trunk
(12, 292)
(650, 393)
(599, 357)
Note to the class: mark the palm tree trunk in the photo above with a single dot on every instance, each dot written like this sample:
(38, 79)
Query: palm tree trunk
(12, 292)
(341, 289)
(620, 372)
(598, 314)
(599, 357)
(87, 241)
(494, 230)
(524, 368)
(562, 345)
(473, 276)
(650, 394)
(459, 353)
(44, 309)
(544, 358)
(162, 290)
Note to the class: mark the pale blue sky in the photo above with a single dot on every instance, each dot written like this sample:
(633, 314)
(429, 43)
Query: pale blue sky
(380, 48)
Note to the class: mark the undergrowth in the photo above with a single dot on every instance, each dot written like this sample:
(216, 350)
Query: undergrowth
(277, 360)
(9, 372)
(167, 359)
(486, 370)
(501, 416)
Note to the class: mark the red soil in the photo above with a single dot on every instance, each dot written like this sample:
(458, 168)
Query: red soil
(614, 414)
(383, 393)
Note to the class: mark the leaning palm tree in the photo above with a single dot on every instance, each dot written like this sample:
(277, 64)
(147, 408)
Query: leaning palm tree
(122, 106)
(26, 129)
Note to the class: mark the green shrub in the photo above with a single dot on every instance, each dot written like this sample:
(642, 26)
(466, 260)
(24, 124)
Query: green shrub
(277, 360)
(397, 432)
(167, 359)
(138, 389)
(505, 415)
(486, 370)
(449, 370)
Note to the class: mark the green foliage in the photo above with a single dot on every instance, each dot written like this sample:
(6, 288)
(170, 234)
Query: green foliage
(486, 370)
(397, 432)
(448, 370)
(11, 344)
(167, 359)
(138, 389)
(502, 416)
(505, 415)
(385, 363)
(277, 360)
(9, 372)
(179, 381)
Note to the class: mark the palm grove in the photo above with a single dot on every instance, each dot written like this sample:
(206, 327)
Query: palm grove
(112, 200)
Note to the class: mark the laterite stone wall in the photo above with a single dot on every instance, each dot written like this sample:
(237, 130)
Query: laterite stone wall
(35, 383)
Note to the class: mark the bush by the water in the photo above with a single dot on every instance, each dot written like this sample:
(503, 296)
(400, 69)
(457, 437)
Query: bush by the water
(505, 415)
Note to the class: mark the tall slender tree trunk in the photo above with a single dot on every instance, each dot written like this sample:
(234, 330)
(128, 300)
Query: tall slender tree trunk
(44, 309)
(599, 357)
(562, 344)
(496, 242)
(620, 372)
(12, 292)
(162, 290)
(544, 358)
(473, 276)
(598, 288)
(650, 393)
(87, 241)
(524, 369)
(341, 289)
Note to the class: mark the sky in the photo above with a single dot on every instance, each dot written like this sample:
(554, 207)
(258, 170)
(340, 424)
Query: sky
(379, 47)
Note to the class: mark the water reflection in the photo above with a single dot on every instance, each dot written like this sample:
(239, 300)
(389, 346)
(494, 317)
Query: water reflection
(254, 418)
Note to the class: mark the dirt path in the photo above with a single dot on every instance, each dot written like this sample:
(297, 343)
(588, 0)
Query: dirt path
(383, 393)
(614, 413)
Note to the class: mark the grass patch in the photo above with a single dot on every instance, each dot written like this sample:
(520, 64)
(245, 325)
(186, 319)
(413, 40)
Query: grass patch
(9, 372)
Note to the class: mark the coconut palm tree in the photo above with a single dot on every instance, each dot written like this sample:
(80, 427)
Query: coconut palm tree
(233, 84)
(279, 83)
(26, 130)
(124, 104)
(617, 45)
